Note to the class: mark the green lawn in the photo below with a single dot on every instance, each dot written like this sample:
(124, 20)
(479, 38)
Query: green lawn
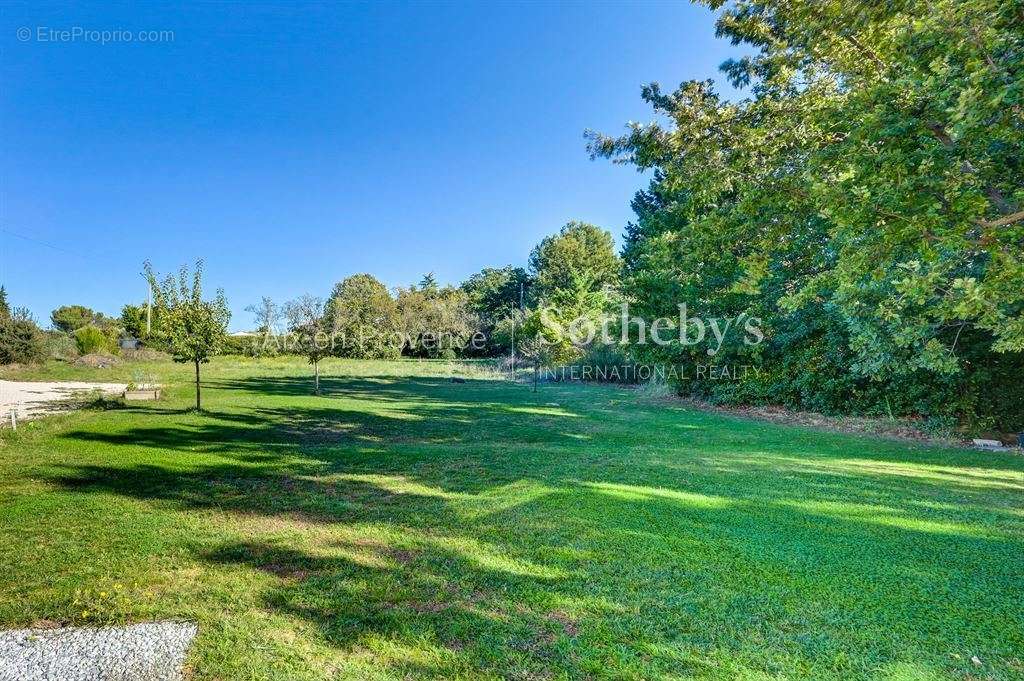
(402, 525)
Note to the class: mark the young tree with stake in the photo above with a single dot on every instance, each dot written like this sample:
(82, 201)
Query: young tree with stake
(193, 329)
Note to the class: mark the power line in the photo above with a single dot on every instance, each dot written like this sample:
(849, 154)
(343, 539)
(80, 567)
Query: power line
(49, 245)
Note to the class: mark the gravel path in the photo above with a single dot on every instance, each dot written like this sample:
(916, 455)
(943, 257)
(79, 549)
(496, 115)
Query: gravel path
(154, 651)
(35, 398)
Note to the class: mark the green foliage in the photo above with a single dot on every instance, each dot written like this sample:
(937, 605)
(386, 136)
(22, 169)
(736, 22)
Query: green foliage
(21, 340)
(253, 345)
(580, 255)
(60, 346)
(493, 294)
(609, 362)
(133, 320)
(239, 345)
(191, 329)
(69, 318)
(436, 322)
(483, 531)
(90, 339)
(502, 334)
(5, 308)
(428, 283)
(571, 322)
(364, 319)
(864, 203)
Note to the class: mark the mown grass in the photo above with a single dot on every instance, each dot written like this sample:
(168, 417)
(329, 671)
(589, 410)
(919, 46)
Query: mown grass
(401, 525)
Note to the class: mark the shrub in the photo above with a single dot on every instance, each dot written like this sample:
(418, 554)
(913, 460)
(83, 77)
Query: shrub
(21, 341)
(91, 339)
(60, 346)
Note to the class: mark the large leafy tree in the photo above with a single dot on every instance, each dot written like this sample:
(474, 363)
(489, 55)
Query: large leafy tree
(579, 255)
(70, 318)
(133, 319)
(364, 319)
(435, 321)
(494, 294)
(868, 191)
(192, 329)
(494, 291)
(575, 275)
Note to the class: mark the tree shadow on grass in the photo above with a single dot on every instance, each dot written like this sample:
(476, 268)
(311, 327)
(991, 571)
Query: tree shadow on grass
(655, 555)
(418, 575)
(377, 388)
(514, 590)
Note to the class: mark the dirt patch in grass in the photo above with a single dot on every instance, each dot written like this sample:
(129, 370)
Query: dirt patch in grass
(98, 361)
(403, 556)
(860, 425)
(285, 571)
(568, 625)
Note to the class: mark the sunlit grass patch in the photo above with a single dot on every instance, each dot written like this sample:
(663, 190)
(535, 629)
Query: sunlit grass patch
(400, 525)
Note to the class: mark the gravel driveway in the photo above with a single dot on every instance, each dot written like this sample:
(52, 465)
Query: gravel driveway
(35, 398)
(154, 651)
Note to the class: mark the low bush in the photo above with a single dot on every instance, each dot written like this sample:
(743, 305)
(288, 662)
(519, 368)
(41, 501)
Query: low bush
(60, 346)
(92, 339)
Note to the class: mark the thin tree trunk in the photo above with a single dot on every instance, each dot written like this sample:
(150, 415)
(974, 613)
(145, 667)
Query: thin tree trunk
(199, 405)
(536, 371)
(316, 374)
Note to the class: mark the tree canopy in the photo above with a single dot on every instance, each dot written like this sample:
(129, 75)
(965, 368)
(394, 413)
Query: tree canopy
(192, 329)
(579, 256)
(364, 319)
(435, 321)
(69, 318)
(21, 340)
(493, 292)
(865, 199)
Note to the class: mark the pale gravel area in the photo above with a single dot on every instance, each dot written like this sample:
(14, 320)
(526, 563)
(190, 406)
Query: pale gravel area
(153, 651)
(36, 398)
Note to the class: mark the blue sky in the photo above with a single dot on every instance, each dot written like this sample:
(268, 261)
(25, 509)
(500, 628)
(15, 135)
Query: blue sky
(291, 145)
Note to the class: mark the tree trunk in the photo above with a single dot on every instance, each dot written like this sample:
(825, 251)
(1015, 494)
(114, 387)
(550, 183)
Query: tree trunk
(316, 377)
(536, 372)
(199, 405)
